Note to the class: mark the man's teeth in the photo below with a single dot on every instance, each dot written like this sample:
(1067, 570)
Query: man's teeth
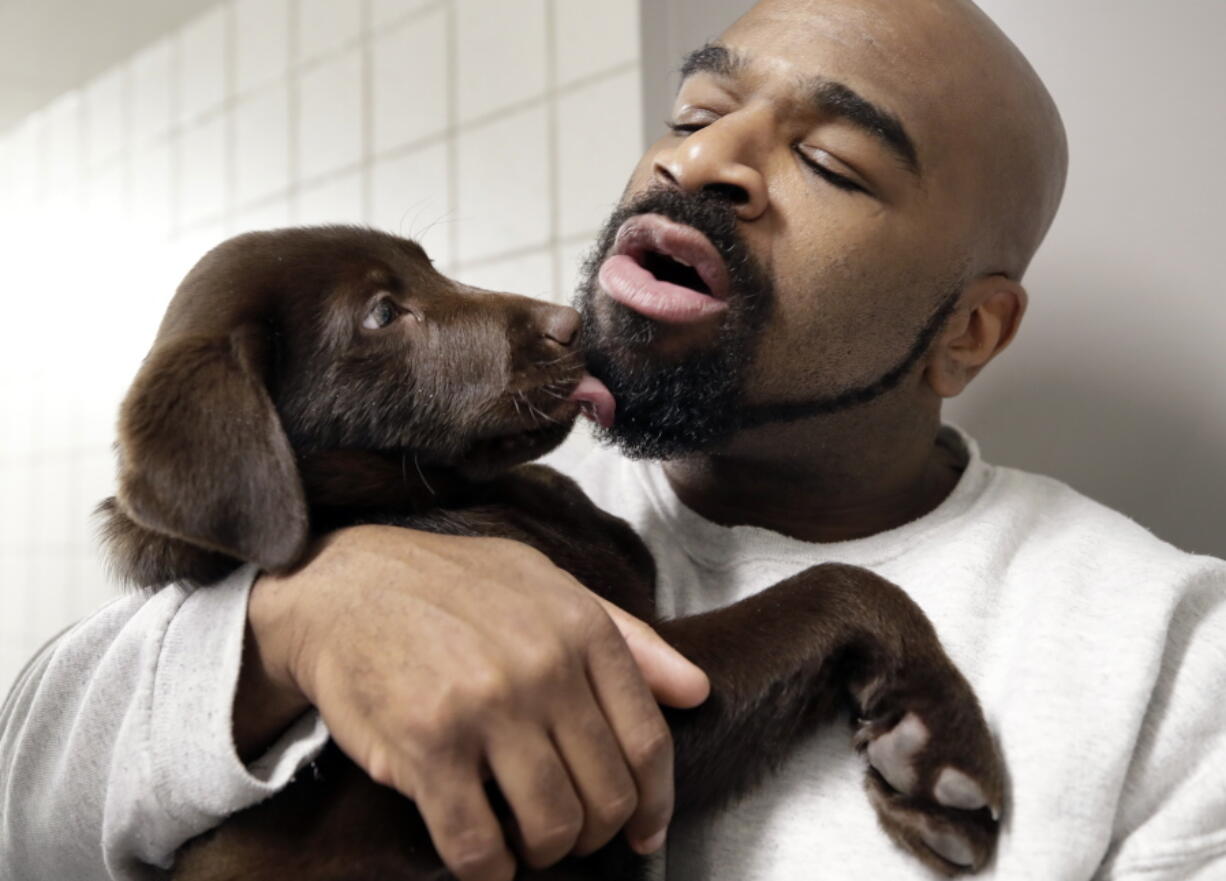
(679, 260)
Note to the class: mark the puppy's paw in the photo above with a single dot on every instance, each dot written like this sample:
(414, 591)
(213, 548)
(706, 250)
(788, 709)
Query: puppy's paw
(935, 777)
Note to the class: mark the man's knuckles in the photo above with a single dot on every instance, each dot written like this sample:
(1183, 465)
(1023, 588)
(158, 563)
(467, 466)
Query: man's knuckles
(608, 815)
(544, 845)
(650, 747)
(476, 854)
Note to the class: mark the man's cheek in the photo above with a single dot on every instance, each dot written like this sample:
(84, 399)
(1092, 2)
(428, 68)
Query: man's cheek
(641, 178)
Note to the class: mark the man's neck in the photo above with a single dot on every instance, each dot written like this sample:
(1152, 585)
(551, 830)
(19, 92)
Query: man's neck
(827, 480)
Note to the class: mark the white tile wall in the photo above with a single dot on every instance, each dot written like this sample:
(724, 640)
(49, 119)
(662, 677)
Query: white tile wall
(529, 274)
(592, 37)
(503, 179)
(387, 12)
(104, 132)
(410, 75)
(201, 178)
(501, 53)
(587, 140)
(261, 47)
(149, 75)
(265, 215)
(201, 70)
(150, 184)
(261, 146)
(326, 25)
(411, 197)
(497, 131)
(330, 115)
(336, 200)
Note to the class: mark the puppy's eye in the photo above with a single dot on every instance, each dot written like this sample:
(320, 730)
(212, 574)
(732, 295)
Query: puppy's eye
(382, 313)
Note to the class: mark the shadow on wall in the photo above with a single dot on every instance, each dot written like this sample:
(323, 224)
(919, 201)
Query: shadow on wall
(1132, 416)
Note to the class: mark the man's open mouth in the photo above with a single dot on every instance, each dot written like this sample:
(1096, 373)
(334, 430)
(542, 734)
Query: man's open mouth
(666, 271)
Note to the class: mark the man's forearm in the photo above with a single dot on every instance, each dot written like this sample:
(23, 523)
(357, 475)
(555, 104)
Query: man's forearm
(263, 706)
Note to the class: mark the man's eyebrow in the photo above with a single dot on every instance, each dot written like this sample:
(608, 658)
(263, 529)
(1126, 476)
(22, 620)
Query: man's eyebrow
(712, 58)
(830, 97)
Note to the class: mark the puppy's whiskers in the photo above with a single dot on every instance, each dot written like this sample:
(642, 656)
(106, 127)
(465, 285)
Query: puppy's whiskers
(561, 359)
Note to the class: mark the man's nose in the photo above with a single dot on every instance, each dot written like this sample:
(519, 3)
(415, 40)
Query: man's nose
(725, 156)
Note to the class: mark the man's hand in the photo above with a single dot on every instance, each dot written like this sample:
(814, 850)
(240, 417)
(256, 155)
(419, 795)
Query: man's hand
(439, 661)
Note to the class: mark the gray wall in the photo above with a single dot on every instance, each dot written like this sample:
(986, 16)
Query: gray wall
(1116, 383)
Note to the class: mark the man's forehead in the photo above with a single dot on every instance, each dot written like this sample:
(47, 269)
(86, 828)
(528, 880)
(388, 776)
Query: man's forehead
(811, 36)
(907, 57)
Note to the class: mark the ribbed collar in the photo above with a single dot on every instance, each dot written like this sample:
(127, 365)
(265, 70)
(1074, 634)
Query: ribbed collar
(714, 546)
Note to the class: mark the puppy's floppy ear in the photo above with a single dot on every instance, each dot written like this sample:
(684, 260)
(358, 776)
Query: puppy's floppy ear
(203, 456)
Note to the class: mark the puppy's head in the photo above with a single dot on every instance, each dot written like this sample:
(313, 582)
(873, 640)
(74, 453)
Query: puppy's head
(287, 343)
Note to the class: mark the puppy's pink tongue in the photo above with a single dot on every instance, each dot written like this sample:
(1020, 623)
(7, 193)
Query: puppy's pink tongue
(596, 400)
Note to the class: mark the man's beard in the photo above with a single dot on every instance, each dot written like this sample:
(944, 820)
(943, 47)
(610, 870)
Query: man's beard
(667, 409)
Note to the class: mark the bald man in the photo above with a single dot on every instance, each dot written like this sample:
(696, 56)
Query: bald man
(861, 185)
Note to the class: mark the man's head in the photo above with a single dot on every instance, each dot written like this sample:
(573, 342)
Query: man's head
(877, 174)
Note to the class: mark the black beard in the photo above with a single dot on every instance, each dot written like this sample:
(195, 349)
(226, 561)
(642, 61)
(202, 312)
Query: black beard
(671, 409)
(666, 409)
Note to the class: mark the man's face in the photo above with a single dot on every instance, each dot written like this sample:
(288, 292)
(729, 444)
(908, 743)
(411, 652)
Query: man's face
(804, 150)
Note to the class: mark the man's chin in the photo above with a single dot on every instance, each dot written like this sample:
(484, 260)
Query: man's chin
(666, 409)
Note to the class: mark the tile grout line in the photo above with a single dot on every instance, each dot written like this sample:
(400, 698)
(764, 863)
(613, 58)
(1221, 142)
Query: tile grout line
(71, 597)
(126, 124)
(293, 83)
(175, 135)
(368, 110)
(453, 140)
(230, 109)
(553, 147)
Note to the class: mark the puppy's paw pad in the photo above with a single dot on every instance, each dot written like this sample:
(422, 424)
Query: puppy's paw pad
(954, 789)
(893, 753)
(949, 846)
(948, 840)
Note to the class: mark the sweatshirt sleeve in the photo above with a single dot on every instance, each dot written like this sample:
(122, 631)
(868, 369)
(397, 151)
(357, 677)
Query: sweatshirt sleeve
(1172, 818)
(116, 743)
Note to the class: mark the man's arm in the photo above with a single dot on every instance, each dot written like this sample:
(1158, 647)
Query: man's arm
(1171, 825)
(437, 661)
(115, 743)
(135, 731)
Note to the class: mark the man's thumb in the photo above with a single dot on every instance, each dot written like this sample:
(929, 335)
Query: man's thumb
(673, 679)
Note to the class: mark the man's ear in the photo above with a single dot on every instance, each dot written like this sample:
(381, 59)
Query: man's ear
(984, 323)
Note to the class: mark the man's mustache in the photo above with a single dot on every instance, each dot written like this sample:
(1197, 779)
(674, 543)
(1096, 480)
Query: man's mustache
(712, 213)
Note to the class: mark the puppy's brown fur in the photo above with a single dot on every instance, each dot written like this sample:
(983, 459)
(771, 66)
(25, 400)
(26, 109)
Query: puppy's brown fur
(307, 379)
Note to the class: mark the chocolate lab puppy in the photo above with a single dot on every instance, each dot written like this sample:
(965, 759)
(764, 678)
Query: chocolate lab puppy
(307, 379)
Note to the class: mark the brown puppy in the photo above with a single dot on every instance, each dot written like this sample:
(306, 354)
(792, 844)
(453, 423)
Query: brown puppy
(307, 379)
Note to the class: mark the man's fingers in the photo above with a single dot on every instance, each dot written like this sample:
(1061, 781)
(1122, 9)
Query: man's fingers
(463, 827)
(640, 730)
(598, 768)
(538, 789)
(673, 679)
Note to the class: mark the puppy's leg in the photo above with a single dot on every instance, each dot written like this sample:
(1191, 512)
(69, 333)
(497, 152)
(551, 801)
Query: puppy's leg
(784, 660)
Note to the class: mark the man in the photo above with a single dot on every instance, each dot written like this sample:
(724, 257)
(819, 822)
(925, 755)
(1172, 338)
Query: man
(876, 175)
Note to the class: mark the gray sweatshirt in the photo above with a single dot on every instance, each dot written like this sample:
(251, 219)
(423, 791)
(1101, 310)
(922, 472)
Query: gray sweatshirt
(1098, 651)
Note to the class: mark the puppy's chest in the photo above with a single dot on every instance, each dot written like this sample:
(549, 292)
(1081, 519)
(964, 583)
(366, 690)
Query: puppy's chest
(539, 508)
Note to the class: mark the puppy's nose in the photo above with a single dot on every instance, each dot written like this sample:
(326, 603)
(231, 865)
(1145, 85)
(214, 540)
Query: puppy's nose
(560, 324)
